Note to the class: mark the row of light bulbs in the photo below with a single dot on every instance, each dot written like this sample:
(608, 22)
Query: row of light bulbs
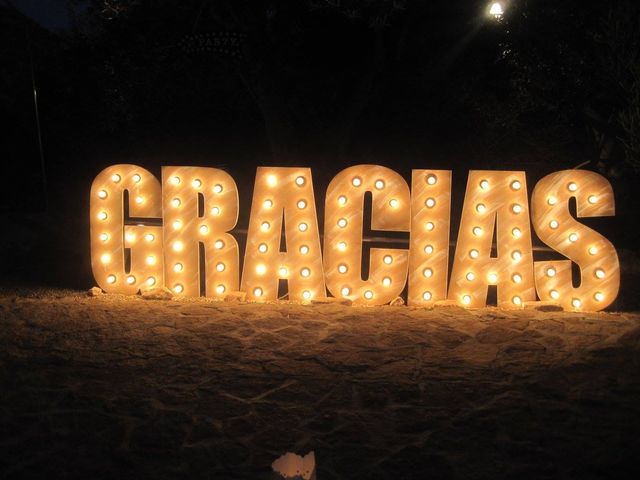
(343, 223)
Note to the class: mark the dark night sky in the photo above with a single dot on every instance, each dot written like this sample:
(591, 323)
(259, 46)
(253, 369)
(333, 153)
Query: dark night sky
(51, 14)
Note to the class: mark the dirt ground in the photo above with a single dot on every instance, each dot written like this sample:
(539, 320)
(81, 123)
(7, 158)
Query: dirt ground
(113, 387)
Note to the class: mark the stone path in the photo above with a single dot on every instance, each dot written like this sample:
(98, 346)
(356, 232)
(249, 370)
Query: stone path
(113, 387)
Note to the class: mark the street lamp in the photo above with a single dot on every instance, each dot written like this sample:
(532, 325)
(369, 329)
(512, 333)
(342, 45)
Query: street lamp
(496, 10)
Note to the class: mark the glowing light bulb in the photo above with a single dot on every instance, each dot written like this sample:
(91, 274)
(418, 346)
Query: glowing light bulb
(272, 180)
(428, 249)
(484, 184)
(204, 229)
(267, 203)
(261, 269)
(573, 237)
(262, 248)
(151, 281)
(599, 296)
(430, 203)
(552, 200)
(572, 187)
(368, 294)
(474, 253)
(553, 224)
(111, 279)
(102, 216)
(220, 267)
(496, 10)
(516, 232)
(432, 179)
(149, 237)
(104, 237)
(302, 204)
(477, 231)
(300, 181)
(481, 208)
(345, 291)
(175, 180)
(493, 277)
(600, 273)
(554, 294)
(102, 194)
(593, 250)
(516, 185)
(139, 200)
(466, 299)
(130, 237)
(265, 226)
(593, 199)
(136, 178)
(342, 246)
(175, 203)
(516, 255)
(115, 178)
(219, 244)
(427, 272)
(215, 211)
(177, 224)
(426, 296)
(283, 271)
(379, 184)
(429, 226)
(131, 279)
(306, 294)
(217, 188)
(304, 249)
(342, 222)
(342, 268)
(178, 267)
(220, 289)
(303, 227)
(516, 208)
(517, 278)
(394, 203)
(342, 200)
(305, 272)
(386, 281)
(178, 246)
(151, 260)
(178, 288)
(516, 300)
(356, 181)
(257, 292)
(197, 183)
(387, 259)
(471, 276)
(105, 258)
(551, 272)
(576, 303)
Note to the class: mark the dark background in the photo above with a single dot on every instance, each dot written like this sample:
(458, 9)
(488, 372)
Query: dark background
(320, 83)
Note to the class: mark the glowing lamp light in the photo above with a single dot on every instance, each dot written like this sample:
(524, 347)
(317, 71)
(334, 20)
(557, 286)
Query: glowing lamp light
(426, 296)
(342, 200)
(136, 178)
(305, 272)
(115, 178)
(220, 267)
(300, 181)
(262, 248)
(257, 292)
(175, 180)
(306, 294)
(178, 267)
(217, 188)
(356, 182)
(379, 184)
(345, 291)
(102, 216)
(342, 268)
(471, 276)
(151, 260)
(304, 249)
(303, 227)
(496, 10)
(267, 203)
(428, 249)
(386, 281)
(283, 272)
(261, 269)
(220, 289)
(427, 272)
(394, 203)
(368, 294)
(302, 204)
(272, 180)
(151, 281)
(466, 299)
(111, 279)
(554, 294)
(102, 194)
(598, 296)
(429, 226)
(105, 258)
(131, 279)
(388, 259)
(342, 222)
(175, 203)
(178, 288)
(104, 237)
(493, 278)
(196, 183)
(219, 244)
(204, 229)
(149, 237)
(432, 179)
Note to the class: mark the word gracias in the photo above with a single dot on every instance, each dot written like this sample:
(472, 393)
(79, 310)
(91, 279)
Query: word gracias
(199, 207)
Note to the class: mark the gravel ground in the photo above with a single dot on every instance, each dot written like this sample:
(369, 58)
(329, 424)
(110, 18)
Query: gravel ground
(120, 387)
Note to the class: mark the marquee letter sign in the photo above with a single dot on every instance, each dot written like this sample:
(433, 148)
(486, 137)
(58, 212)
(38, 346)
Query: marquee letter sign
(178, 234)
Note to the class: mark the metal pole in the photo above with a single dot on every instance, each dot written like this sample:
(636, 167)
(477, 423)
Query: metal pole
(37, 114)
